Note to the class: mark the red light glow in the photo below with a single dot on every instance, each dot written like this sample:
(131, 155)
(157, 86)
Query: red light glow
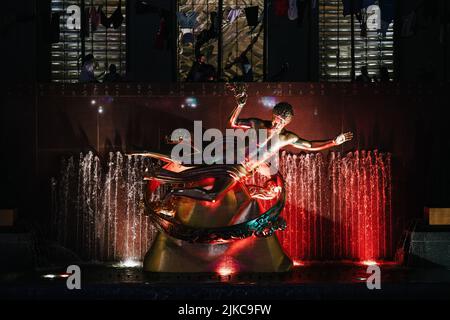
(297, 263)
(369, 263)
(225, 271)
(227, 267)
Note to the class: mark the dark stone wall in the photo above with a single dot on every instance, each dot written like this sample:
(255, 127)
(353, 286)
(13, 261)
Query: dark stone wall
(295, 43)
(423, 56)
(405, 120)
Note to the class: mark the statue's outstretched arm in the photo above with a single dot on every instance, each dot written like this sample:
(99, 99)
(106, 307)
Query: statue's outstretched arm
(240, 93)
(306, 145)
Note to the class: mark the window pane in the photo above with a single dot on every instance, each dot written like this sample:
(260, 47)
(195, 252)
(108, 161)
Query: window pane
(372, 50)
(237, 35)
(108, 45)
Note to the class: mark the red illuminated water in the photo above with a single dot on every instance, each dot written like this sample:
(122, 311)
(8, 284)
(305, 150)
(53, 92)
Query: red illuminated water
(338, 209)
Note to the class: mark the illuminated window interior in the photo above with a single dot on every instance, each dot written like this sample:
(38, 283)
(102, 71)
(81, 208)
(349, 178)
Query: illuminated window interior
(238, 37)
(108, 45)
(372, 50)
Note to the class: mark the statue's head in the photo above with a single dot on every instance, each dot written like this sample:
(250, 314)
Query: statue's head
(282, 114)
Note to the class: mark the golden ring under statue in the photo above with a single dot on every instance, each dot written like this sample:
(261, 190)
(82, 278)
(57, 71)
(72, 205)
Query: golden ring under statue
(231, 234)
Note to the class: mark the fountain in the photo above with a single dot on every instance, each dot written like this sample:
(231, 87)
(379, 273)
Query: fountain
(98, 210)
(340, 208)
(336, 208)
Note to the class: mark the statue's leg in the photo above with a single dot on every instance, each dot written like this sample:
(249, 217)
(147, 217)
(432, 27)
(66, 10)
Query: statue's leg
(190, 175)
(223, 180)
(220, 186)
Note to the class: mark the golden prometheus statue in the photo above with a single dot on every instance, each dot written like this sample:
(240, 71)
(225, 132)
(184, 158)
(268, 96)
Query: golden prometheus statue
(211, 216)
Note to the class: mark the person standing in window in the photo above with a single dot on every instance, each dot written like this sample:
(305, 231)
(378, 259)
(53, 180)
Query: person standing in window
(384, 74)
(364, 76)
(201, 71)
(246, 68)
(112, 76)
(87, 70)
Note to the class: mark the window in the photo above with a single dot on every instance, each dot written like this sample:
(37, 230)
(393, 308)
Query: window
(241, 29)
(372, 49)
(82, 33)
